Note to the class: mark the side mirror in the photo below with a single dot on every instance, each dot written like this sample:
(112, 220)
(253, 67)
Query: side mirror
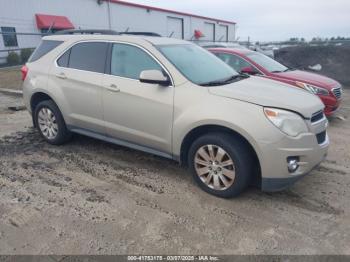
(248, 70)
(154, 77)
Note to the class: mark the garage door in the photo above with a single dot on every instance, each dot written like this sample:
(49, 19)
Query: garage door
(209, 31)
(223, 33)
(175, 27)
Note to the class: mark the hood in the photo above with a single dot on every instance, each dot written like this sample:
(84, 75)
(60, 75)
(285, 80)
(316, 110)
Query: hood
(270, 93)
(308, 78)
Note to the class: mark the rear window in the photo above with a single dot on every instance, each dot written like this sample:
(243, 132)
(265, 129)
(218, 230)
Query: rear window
(45, 47)
(89, 56)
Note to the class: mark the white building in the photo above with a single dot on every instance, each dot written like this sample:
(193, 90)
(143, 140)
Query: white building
(37, 16)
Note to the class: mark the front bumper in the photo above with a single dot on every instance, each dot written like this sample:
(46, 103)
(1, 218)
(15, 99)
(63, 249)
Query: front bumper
(275, 174)
(278, 184)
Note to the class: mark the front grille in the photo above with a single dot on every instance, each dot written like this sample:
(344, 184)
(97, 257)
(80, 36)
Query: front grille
(337, 92)
(317, 116)
(321, 137)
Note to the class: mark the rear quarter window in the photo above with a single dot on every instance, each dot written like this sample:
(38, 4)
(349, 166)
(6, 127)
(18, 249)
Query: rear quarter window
(64, 59)
(45, 47)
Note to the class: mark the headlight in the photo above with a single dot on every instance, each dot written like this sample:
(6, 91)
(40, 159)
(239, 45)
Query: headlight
(313, 89)
(288, 122)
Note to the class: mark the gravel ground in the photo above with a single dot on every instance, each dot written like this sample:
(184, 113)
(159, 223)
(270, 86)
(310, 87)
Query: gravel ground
(10, 78)
(90, 197)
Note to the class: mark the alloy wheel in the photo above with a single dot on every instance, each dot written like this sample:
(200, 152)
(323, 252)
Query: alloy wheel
(47, 123)
(214, 167)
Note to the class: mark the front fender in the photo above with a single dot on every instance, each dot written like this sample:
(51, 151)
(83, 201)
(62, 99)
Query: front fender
(196, 107)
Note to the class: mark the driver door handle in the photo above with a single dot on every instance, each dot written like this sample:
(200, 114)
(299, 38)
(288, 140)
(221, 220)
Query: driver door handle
(113, 88)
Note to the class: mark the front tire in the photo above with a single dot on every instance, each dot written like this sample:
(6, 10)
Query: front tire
(221, 164)
(50, 123)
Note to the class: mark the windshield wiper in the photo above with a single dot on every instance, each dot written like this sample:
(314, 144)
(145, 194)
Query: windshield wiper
(229, 80)
(289, 69)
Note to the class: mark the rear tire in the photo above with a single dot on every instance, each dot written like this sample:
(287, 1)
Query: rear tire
(221, 164)
(50, 123)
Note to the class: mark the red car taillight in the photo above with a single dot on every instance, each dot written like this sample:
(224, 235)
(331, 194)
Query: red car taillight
(24, 71)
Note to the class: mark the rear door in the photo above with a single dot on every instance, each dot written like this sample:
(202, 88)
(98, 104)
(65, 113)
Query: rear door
(209, 32)
(175, 27)
(223, 33)
(79, 74)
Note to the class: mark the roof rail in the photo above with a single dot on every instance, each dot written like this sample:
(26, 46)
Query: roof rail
(86, 31)
(102, 32)
(140, 33)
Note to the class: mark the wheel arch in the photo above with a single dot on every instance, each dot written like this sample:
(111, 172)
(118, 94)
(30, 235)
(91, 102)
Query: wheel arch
(193, 134)
(37, 98)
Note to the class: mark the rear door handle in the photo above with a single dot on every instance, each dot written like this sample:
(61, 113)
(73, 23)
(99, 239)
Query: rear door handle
(113, 88)
(61, 75)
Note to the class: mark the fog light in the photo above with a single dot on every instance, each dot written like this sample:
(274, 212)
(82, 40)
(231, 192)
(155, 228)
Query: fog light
(292, 163)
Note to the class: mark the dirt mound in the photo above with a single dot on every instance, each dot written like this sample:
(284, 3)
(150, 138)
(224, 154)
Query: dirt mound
(335, 60)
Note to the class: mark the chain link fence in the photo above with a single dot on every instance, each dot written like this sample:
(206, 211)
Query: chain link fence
(17, 47)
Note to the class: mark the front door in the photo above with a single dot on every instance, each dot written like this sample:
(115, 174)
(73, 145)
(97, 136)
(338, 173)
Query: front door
(136, 112)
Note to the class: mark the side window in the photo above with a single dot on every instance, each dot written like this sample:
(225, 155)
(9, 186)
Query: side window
(45, 47)
(234, 61)
(239, 62)
(89, 56)
(129, 61)
(224, 57)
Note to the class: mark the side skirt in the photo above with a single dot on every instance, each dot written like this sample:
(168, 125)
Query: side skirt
(119, 142)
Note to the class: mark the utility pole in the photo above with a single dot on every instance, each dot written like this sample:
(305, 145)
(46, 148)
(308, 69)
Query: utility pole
(109, 15)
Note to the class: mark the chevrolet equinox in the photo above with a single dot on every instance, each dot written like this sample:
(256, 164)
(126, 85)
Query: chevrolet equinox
(174, 99)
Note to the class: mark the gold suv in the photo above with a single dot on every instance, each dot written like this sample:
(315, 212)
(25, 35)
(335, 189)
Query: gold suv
(172, 98)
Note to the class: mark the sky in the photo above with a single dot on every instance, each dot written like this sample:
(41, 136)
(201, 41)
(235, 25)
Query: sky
(271, 20)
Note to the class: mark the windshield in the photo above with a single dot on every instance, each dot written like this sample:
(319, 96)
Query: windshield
(268, 63)
(196, 64)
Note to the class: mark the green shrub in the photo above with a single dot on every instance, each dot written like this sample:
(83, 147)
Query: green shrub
(25, 54)
(13, 59)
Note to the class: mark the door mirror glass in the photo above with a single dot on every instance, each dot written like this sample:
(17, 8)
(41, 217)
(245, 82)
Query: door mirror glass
(249, 70)
(154, 77)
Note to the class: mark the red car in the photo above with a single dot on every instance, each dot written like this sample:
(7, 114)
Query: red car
(254, 63)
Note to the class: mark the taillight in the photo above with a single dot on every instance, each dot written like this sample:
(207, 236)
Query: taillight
(24, 71)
